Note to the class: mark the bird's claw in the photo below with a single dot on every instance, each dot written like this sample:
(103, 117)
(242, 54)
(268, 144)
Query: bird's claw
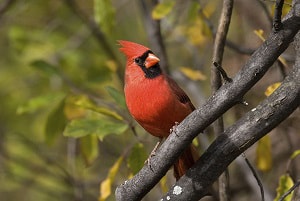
(174, 128)
(153, 153)
(148, 161)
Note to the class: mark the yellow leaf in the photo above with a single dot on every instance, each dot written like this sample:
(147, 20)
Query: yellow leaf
(283, 61)
(162, 9)
(197, 32)
(272, 88)
(195, 142)
(192, 74)
(259, 33)
(286, 7)
(163, 184)
(105, 189)
(71, 110)
(295, 154)
(285, 183)
(264, 154)
(114, 169)
(209, 8)
(105, 186)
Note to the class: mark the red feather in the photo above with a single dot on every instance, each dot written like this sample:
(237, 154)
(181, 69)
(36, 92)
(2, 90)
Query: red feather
(131, 49)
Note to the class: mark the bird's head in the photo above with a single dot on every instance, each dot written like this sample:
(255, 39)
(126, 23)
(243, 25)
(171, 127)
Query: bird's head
(139, 54)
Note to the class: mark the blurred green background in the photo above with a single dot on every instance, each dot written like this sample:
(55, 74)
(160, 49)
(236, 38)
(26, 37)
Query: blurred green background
(64, 127)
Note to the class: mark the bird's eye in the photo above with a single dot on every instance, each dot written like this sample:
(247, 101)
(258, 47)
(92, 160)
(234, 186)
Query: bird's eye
(137, 60)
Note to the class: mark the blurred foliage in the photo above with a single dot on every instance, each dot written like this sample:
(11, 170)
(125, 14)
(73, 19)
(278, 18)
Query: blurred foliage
(162, 9)
(65, 133)
(264, 154)
(105, 187)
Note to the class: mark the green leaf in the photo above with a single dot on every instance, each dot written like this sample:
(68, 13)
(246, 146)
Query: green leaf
(117, 96)
(137, 158)
(285, 183)
(45, 67)
(39, 102)
(104, 14)
(162, 9)
(84, 102)
(264, 154)
(89, 148)
(56, 122)
(97, 126)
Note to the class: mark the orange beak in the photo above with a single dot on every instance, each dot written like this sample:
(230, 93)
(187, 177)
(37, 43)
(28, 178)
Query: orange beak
(151, 60)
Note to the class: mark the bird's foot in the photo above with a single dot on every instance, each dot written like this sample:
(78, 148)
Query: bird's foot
(153, 153)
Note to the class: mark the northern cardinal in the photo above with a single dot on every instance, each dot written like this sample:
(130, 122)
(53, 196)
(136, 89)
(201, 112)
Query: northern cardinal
(154, 100)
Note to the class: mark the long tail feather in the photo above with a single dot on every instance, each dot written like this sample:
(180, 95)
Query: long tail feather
(185, 161)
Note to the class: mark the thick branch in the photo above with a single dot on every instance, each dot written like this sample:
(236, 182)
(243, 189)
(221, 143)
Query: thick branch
(239, 137)
(227, 96)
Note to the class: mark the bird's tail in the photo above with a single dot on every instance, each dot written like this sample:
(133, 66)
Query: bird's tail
(185, 161)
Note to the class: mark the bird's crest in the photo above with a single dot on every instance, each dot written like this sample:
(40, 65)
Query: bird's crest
(132, 50)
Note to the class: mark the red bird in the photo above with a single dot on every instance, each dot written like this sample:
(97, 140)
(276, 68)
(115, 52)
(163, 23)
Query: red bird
(154, 100)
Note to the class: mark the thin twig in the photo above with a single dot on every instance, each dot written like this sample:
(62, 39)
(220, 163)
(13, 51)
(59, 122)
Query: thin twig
(289, 191)
(277, 24)
(216, 82)
(5, 6)
(281, 68)
(255, 176)
(296, 194)
(238, 48)
(230, 44)
(222, 72)
(154, 33)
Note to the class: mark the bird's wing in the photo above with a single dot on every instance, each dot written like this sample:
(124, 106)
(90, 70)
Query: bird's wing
(182, 97)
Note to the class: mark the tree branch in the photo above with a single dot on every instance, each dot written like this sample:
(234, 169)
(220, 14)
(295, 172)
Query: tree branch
(261, 187)
(296, 195)
(238, 48)
(5, 6)
(230, 44)
(227, 96)
(277, 15)
(216, 82)
(239, 137)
